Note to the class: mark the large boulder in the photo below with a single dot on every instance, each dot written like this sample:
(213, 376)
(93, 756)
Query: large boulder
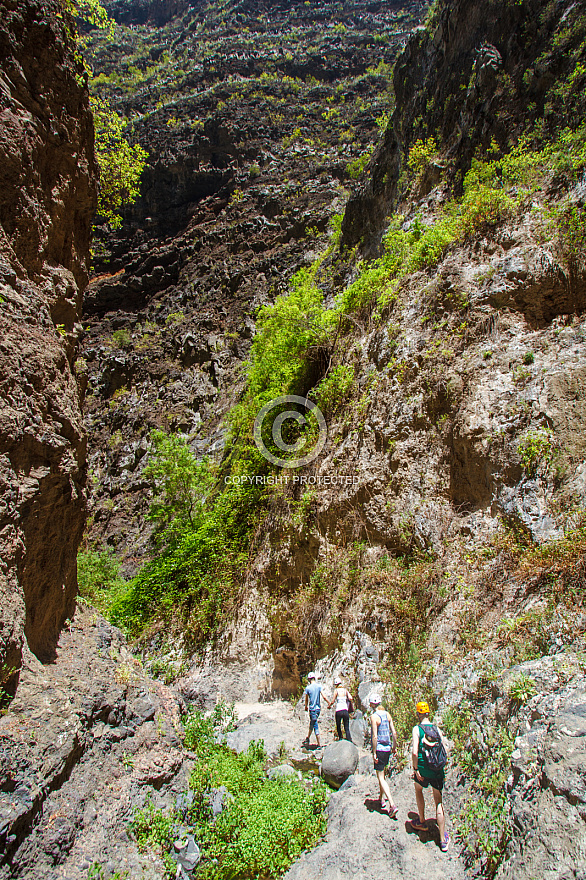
(340, 760)
(358, 730)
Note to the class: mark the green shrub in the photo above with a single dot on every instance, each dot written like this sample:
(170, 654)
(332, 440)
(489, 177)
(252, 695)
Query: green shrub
(121, 338)
(571, 225)
(421, 154)
(265, 824)
(334, 389)
(356, 167)
(196, 574)
(535, 448)
(522, 688)
(481, 206)
(180, 484)
(99, 578)
(201, 730)
(121, 165)
(263, 831)
(484, 754)
(152, 829)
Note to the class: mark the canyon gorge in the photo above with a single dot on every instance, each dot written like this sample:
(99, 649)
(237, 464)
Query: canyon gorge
(373, 208)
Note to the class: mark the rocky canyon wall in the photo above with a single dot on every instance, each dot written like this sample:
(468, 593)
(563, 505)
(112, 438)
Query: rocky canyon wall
(47, 199)
(476, 74)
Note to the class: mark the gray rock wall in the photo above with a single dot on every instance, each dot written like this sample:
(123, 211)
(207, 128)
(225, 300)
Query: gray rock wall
(47, 198)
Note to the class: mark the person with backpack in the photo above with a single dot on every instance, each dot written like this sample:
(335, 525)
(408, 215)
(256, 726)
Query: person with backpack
(382, 729)
(344, 706)
(429, 758)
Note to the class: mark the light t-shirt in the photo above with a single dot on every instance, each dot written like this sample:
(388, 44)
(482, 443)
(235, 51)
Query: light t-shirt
(313, 691)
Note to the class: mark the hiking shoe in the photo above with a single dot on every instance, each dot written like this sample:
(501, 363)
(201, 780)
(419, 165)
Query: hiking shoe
(305, 743)
(444, 844)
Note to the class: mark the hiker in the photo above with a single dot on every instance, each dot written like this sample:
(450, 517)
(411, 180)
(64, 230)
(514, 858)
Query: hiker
(428, 755)
(312, 695)
(382, 729)
(344, 706)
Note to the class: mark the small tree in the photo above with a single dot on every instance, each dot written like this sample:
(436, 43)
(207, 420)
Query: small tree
(181, 484)
(121, 164)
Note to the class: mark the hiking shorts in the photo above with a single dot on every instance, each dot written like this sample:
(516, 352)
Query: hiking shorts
(313, 725)
(436, 782)
(382, 759)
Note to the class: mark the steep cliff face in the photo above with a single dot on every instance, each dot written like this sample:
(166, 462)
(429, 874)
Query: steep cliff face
(464, 408)
(257, 118)
(47, 198)
(477, 74)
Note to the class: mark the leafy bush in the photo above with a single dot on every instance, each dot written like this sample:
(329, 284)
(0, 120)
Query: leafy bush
(483, 754)
(421, 154)
(180, 484)
(522, 688)
(535, 448)
(195, 574)
(121, 338)
(335, 388)
(203, 535)
(152, 829)
(262, 831)
(571, 225)
(121, 164)
(99, 578)
(356, 167)
(201, 730)
(265, 824)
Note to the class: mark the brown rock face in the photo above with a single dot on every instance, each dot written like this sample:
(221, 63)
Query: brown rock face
(47, 198)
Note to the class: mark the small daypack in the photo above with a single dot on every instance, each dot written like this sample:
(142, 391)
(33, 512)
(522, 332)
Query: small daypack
(432, 747)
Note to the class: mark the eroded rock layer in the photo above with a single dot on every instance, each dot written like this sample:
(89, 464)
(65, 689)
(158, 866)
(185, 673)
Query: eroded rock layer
(47, 198)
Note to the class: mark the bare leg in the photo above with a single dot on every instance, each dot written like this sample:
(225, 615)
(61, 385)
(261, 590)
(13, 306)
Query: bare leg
(439, 812)
(420, 802)
(385, 791)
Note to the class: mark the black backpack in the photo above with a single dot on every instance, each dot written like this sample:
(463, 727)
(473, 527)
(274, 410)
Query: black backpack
(432, 747)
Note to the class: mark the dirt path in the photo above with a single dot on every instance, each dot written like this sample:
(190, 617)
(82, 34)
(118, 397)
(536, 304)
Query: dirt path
(362, 842)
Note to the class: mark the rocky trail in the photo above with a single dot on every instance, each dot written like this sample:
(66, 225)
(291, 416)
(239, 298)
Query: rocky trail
(362, 841)
(90, 739)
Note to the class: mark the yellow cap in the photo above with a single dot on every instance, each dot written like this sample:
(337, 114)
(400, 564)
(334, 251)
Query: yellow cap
(422, 708)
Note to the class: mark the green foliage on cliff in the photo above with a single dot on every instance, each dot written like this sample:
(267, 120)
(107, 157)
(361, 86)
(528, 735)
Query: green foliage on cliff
(204, 540)
(287, 331)
(293, 338)
(89, 11)
(180, 485)
(484, 754)
(334, 389)
(121, 164)
(99, 577)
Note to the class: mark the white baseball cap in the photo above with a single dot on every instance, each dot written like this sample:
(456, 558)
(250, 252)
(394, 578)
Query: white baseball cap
(310, 676)
(374, 699)
(337, 680)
